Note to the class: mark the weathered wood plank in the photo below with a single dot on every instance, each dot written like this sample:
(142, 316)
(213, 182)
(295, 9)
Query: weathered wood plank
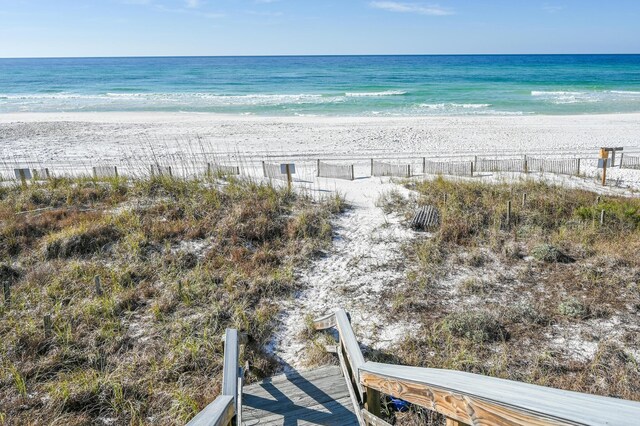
(314, 397)
(352, 348)
(230, 366)
(218, 413)
(325, 322)
(352, 394)
(372, 420)
(475, 399)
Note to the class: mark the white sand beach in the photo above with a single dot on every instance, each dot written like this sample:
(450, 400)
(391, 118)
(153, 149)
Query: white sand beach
(112, 136)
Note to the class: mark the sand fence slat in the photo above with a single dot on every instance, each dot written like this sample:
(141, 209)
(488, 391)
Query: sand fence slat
(456, 168)
(379, 168)
(502, 165)
(562, 166)
(336, 171)
(630, 162)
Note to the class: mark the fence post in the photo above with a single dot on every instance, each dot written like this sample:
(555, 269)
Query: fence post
(524, 199)
(509, 214)
(424, 165)
(318, 168)
(526, 165)
(373, 402)
(264, 169)
(408, 170)
(47, 326)
(602, 217)
(472, 169)
(353, 175)
(372, 167)
(98, 286)
(621, 158)
(115, 170)
(578, 174)
(23, 177)
(288, 169)
(7, 294)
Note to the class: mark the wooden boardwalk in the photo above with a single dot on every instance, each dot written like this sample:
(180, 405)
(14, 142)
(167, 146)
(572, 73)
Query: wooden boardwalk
(316, 397)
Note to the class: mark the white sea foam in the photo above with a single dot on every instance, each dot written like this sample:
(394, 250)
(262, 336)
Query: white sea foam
(375, 94)
(450, 106)
(572, 97)
(555, 93)
(626, 92)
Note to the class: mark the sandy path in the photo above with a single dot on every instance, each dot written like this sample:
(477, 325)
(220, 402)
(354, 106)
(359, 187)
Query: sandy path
(365, 260)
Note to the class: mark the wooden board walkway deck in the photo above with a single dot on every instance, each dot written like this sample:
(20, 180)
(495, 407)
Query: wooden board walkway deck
(316, 397)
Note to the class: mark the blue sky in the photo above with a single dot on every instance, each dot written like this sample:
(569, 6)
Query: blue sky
(43, 28)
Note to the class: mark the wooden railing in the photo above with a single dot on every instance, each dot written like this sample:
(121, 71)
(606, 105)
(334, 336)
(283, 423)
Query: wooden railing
(226, 409)
(465, 398)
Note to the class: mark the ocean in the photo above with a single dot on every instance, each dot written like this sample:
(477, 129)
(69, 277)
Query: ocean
(327, 85)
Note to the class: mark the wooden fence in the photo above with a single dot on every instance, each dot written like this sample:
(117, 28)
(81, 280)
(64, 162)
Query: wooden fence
(567, 166)
(337, 171)
(630, 162)
(218, 170)
(105, 172)
(379, 168)
(158, 170)
(273, 171)
(464, 168)
(505, 165)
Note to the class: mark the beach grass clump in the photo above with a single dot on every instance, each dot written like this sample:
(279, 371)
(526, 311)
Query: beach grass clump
(120, 291)
(573, 308)
(548, 253)
(525, 296)
(477, 326)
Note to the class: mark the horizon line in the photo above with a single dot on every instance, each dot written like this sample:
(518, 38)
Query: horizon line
(317, 55)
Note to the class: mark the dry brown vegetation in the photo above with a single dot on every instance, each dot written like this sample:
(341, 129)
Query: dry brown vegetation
(178, 262)
(551, 299)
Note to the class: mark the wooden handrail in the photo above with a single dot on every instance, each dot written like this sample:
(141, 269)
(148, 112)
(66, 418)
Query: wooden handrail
(227, 406)
(475, 399)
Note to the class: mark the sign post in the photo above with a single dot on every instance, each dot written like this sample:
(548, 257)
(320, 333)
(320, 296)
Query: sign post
(288, 169)
(604, 156)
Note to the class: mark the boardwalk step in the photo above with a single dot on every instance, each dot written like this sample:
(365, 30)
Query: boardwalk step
(316, 397)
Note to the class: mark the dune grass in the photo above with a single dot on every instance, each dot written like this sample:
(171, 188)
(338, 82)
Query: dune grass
(177, 262)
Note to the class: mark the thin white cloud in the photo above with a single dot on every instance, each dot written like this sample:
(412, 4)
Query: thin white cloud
(551, 8)
(418, 8)
(193, 4)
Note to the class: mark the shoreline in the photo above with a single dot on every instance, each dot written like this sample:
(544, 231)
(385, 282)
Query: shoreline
(13, 117)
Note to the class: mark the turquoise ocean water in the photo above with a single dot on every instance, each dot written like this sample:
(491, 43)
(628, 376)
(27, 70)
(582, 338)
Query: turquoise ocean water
(331, 85)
